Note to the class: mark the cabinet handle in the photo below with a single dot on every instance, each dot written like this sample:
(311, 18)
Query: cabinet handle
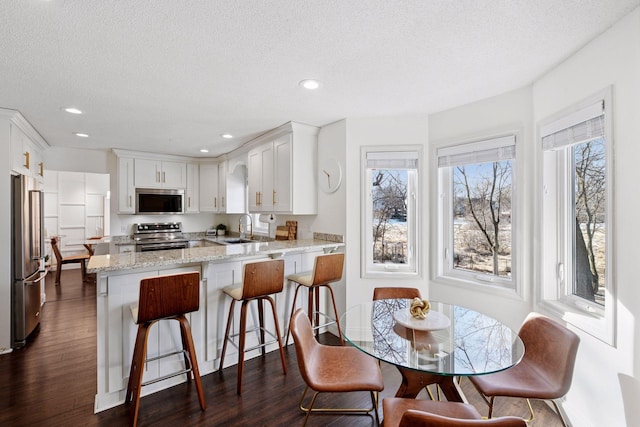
(188, 202)
(26, 159)
(41, 164)
(215, 203)
(129, 201)
(273, 198)
(164, 177)
(157, 176)
(259, 198)
(222, 202)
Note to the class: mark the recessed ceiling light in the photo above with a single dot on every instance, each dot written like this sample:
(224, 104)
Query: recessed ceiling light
(73, 110)
(81, 135)
(226, 136)
(204, 150)
(310, 84)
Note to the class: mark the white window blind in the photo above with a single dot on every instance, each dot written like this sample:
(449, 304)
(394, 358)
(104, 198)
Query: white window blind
(584, 125)
(392, 160)
(490, 150)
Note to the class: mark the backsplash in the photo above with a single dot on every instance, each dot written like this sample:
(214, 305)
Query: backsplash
(337, 238)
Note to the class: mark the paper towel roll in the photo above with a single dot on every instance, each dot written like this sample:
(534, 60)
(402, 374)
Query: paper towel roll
(268, 218)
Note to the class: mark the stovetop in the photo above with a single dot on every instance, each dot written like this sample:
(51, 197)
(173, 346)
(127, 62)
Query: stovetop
(158, 232)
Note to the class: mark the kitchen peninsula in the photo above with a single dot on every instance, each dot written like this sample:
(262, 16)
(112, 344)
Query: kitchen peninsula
(118, 279)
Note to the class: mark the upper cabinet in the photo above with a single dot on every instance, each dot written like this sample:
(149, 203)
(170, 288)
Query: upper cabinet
(160, 174)
(27, 148)
(209, 197)
(282, 171)
(192, 204)
(126, 189)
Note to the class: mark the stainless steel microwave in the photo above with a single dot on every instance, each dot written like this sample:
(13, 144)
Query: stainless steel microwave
(159, 201)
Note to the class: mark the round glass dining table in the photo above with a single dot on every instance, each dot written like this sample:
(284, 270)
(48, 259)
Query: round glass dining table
(452, 341)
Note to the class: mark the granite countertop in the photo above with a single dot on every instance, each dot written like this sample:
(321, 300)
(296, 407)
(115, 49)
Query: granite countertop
(132, 260)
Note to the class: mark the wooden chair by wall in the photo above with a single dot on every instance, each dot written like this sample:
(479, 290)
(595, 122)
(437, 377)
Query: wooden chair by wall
(72, 259)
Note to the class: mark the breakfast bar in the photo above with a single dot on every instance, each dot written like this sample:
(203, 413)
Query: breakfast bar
(118, 279)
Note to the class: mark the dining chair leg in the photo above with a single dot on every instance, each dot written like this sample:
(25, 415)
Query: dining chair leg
(58, 272)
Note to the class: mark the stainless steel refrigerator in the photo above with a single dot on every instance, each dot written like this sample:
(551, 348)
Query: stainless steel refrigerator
(28, 257)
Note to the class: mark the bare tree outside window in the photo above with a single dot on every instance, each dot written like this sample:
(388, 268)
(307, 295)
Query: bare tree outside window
(482, 217)
(590, 209)
(390, 234)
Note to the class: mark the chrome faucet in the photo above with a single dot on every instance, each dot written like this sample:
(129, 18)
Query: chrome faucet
(243, 233)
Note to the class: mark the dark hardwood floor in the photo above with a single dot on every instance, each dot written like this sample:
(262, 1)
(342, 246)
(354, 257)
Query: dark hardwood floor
(52, 381)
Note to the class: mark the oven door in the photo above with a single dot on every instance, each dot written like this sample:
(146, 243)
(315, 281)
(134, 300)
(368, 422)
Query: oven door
(158, 246)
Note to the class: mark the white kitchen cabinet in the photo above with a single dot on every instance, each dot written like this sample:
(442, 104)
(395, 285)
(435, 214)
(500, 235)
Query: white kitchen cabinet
(126, 189)
(26, 156)
(149, 173)
(192, 204)
(282, 171)
(126, 249)
(209, 197)
(222, 186)
(235, 187)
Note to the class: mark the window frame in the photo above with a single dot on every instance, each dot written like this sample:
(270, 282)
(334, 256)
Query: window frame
(445, 273)
(557, 231)
(368, 268)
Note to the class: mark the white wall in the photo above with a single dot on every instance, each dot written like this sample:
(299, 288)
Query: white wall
(612, 59)
(378, 131)
(507, 113)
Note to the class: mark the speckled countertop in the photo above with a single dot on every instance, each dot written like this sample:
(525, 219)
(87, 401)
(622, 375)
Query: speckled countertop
(174, 257)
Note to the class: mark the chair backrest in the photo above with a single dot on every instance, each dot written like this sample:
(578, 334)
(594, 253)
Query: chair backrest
(328, 268)
(56, 250)
(413, 418)
(262, 278)
(168, 296)
(552, 349)
(306, 344)
(393, 293)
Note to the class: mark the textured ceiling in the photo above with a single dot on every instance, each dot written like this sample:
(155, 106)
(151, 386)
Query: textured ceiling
(171, 76)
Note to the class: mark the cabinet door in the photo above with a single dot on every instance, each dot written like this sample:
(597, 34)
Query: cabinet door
(282, 174)
(192, 204)
(126, 190)
(222, 186)
(147, 173)
(25, 157)
(173, 174)
(261, 178)
(209, 187)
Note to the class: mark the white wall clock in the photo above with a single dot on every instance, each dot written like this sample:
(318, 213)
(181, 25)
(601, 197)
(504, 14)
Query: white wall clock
(330, 175)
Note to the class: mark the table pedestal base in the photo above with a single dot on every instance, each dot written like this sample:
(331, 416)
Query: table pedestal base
(414, 381)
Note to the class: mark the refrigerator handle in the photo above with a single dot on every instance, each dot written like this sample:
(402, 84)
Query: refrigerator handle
(38, 280)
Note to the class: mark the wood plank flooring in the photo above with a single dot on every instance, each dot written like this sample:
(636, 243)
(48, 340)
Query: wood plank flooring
(52, 381)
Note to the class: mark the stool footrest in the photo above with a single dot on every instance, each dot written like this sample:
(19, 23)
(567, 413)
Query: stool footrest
(164, 377)
(174, 374)
(275, 339)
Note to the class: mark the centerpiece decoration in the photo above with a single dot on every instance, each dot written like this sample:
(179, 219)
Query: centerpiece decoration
(419, 308)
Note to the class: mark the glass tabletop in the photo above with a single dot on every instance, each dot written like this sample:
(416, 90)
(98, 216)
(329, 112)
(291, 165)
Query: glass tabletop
(453, 340)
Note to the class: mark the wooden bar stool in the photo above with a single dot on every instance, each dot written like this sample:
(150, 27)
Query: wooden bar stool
(164, 297)
(326, 270)
(260, 279)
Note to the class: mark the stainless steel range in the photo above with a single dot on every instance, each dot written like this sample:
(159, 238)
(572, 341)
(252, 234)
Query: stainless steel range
(156, 236)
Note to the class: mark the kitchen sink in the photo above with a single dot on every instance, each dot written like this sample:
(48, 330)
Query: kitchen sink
(230, 241)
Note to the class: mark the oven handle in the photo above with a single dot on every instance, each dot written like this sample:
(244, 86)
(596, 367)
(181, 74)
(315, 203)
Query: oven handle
(158, 247)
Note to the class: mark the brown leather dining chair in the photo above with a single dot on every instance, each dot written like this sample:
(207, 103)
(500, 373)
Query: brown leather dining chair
(546, 369)
(400, 412)
(333, 369)
(71, 259)
(395, 292)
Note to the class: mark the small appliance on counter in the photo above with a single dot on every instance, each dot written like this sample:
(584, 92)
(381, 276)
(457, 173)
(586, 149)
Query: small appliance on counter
(211, 232)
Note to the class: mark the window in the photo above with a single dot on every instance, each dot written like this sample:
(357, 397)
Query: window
(391, 211)
(576, 201)
(476, 182)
